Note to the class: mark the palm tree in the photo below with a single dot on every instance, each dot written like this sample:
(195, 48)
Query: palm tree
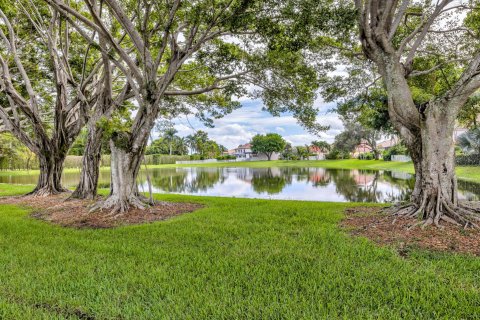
(169, 135)
(470, 141)
(191, 143)
(181, 145)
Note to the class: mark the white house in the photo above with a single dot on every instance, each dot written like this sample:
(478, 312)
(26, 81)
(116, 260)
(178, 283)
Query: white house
(244, 152)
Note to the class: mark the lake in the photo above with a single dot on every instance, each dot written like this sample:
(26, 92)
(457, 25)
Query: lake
(287, 183)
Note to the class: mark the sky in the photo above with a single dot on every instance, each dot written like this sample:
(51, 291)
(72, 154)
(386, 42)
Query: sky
(242, 124)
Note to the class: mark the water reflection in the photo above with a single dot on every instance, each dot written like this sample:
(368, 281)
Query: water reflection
(317, 184)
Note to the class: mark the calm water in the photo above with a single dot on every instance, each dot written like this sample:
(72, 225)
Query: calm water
(315, 184)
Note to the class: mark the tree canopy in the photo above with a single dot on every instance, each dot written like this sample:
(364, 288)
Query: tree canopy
(268, 144)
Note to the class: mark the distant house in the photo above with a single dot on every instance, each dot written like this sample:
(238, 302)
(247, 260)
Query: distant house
(244, 152)
(362, 148)
(319, 153)
(230, 152)
(387, 144)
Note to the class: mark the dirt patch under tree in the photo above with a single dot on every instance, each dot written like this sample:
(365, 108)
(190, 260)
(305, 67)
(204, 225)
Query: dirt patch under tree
(385, 229)
(75, 213)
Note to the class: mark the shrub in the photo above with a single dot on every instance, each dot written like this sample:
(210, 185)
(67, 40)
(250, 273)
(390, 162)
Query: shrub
(366, 156)
(395, 150)
(335, 154)
(468, 160)
(154, 159)
(226, 157)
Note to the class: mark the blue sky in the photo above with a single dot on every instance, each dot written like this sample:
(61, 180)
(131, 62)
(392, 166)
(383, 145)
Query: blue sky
(242, 124)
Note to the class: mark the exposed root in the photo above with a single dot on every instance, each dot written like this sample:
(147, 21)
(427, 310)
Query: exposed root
(119, 206)
(405, 211)
(449, 220)
(150, 201)
(434, 210)
(81, 195)
(46, 191)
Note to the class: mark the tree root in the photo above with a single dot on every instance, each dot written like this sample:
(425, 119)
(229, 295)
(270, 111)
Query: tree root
(440, 210)
(46, 191)
(78, 195)
(119, 206)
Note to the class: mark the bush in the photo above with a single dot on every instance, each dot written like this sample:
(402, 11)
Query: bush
(155, 159)
(366, 156)
(468, 160)
(226, 157)
(459, 151)
(398, 149)
(335, 154)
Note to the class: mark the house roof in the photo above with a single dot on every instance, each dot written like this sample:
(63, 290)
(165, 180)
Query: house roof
(388, 143)
(244, 146)
(316, 149)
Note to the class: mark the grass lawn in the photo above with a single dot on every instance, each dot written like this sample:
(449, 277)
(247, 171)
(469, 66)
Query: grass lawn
(234, 259)
(336, 164)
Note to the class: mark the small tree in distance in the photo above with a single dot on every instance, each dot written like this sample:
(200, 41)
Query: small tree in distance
(268, 144)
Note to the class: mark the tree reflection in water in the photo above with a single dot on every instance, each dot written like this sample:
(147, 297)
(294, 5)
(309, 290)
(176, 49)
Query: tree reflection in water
(364, 186)
(270, 180)
(185, 180)
(353, 185)
(280, 183)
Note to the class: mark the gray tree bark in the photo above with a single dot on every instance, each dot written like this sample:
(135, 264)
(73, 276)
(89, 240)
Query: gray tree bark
(125, 166)
(89, 175)
(50, 177)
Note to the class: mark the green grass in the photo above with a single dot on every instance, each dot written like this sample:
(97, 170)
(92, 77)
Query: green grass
(11, 190)
(336, 164)
(234, 259)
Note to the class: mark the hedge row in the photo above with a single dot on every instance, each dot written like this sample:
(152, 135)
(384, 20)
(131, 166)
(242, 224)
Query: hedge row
(468, 160)
(76, 162)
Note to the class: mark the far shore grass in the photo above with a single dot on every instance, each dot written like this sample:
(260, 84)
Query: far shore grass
(466, 173)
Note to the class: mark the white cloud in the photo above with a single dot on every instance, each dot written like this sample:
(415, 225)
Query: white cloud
(300, 139)
(184, 130)
(242, 124)
(231, 135)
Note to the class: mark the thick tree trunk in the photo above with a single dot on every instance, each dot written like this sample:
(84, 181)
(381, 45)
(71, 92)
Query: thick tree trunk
(87, 187)
(124, 195)
(434, 196)
(50, 177)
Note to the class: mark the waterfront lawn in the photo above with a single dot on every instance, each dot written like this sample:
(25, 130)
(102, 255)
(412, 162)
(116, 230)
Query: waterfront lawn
(234, 259)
